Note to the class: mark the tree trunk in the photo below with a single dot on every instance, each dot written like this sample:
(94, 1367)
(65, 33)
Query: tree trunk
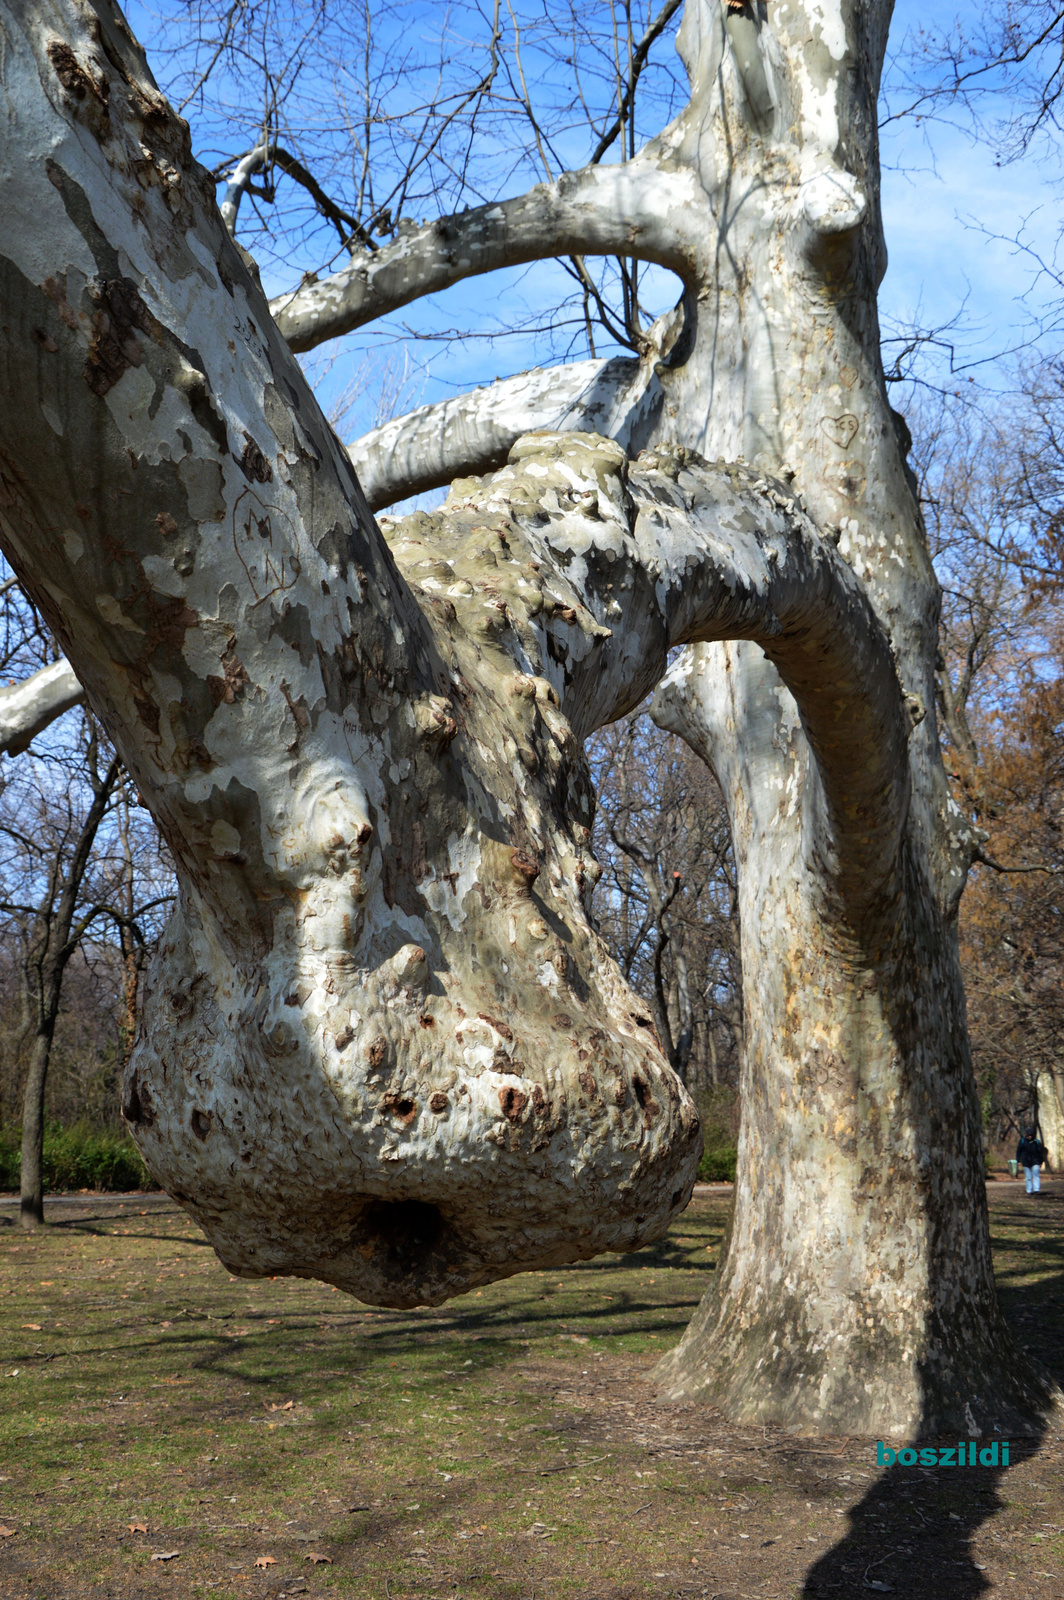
(382, 1045)
(860, 1168)
(860, 1136)
(1050, 1101)
(31, 1209)
(855, 1292)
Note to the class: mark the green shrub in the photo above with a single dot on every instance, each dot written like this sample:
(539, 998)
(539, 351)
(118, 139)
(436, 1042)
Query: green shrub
(10, 1163)
(78, 1158)
(718, 1165)
(718, 1111)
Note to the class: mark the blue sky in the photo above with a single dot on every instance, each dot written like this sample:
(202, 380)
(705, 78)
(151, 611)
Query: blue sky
(943, 195)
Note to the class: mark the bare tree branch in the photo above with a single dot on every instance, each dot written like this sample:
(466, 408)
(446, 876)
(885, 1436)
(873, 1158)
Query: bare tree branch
(27, 708)
(636, 209)
(475, 432)
(638, 62)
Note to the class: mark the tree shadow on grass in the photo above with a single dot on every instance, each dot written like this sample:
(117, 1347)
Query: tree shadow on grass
(912, 1533)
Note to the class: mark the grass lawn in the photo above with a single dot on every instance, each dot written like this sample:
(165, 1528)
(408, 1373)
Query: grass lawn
(166, 1430)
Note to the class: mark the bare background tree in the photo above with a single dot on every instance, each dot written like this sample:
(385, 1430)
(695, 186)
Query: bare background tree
(993, 489)
(82, 882)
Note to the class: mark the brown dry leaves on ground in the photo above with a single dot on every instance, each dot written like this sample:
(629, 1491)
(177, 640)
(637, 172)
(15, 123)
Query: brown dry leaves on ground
(504, 1447)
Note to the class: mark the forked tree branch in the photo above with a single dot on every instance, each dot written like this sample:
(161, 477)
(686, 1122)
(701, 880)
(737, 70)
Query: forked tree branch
(673, 551)
(351, 231)
(638, 62)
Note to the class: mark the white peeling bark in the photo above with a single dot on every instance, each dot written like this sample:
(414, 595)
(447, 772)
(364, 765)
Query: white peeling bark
(639, 208)
(27, 708)
(474, 433)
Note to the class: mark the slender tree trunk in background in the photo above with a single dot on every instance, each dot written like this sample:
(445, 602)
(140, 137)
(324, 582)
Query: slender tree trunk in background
(31, 1208)
(55, 933)
(127, 1019)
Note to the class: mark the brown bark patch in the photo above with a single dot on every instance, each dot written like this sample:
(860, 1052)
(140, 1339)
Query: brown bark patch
(400, 1105)
(438, 1102)
(513, 1102)
(114, 348)
(376, 1053)
(647, 1104)
(78, 81)
(298, 708)
(501, 1028)
(224, 690)
(526, 867)
(253, 463)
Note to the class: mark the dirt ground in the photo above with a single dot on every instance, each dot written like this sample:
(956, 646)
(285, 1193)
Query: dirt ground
(166, 1430)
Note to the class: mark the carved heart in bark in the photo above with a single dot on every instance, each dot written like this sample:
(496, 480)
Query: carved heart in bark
(842, 431)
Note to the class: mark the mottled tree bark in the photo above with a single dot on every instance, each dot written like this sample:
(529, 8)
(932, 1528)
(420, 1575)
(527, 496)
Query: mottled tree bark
(474, 433)
(856, 1289)
(383, 1045)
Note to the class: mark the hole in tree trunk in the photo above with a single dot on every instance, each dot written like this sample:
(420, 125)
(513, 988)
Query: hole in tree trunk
(136, 1107)
(402, 1232)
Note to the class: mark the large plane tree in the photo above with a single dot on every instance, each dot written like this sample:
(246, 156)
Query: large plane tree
(383, 1044)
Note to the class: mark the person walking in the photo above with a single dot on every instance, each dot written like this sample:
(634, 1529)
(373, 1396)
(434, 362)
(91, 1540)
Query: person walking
(1030, 1153)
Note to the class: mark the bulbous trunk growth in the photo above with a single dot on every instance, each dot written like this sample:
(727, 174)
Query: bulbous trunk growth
(381, 1043)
